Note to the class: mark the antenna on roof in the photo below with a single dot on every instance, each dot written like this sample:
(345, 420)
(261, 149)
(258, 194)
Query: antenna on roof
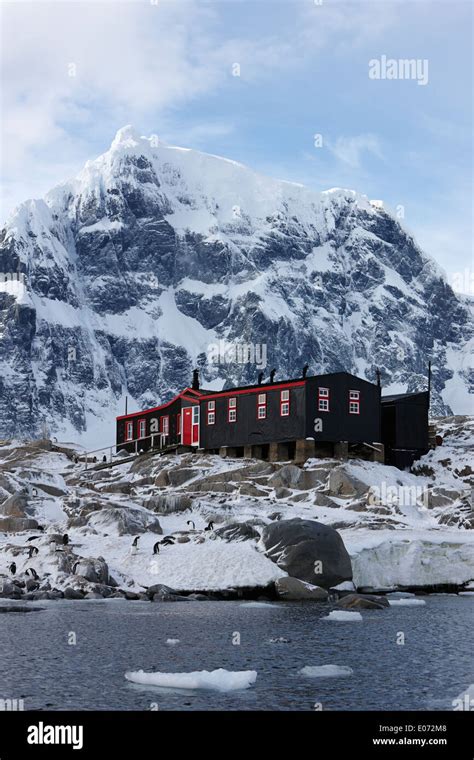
(260, 378)
(126, 404)
(272, 375)
(377, 373)
(429, 383)
(305, 370)
(195, 383)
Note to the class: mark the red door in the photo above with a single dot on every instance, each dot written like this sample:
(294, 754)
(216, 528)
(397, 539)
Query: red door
(190, 421)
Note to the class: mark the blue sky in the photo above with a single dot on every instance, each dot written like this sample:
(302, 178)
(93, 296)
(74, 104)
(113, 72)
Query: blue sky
(167, 68)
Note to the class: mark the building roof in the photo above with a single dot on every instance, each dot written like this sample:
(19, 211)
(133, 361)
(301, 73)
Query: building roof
(403, 396)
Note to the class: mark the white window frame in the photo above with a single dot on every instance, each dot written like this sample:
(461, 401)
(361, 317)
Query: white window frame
(354, 407)
(232, 403)
(211, 406)
(354, 395)
(285, 395)
(323, 405)
(323, 393)
(261, 412)
(128, 426)
(285, 409)
(262, 399)
(211, 418)
(232, 417)
(141, 425)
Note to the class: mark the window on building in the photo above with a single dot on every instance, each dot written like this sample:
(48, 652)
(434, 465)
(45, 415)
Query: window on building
(195, 415)
(354, 402)
(165, 425)
(211, 406)
(211, 418)
(261, 406)
(284, 403)
(129, 431)
(323, 399)
(232, 410)
(141, 428)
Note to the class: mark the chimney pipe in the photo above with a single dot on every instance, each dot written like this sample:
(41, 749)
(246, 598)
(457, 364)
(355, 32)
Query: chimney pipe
(260, 378)
(195, 383)
(272, 375)
(377, 372)
(126, 404)
(305, 370)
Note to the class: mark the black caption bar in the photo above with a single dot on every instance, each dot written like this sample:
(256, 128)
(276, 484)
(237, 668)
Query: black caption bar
(378, 734)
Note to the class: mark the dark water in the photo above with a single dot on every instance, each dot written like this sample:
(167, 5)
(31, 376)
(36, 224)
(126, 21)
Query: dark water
(431, 669)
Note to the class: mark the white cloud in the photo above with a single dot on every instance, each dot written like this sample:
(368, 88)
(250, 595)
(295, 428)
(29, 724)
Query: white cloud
(350, 150)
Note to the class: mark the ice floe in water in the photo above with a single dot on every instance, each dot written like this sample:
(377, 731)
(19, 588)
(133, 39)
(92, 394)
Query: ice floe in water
(343, 616)
(406, 602)
(172, 642)
(220, 680)
(325, 671)
(279, 640)
(260, 605)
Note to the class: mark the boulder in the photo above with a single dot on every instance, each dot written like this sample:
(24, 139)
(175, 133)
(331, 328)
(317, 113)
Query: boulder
(73, 593)
(123, 521)
(308, 550)
(180, 475)
(94, 570)
(362, 602)
(167, 503)
(17, 524)
(7, 587)
(93, 595)
(161, 593)
(15, 505)
(344, 485)
(294, 589)
(120, 487)
(236, 531)
(282, 493)
(287, 477)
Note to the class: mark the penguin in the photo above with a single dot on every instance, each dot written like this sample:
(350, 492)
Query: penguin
(74, 566)
(31, 571)
(12, 568)
(135, 541)
(167, 541)
(209, 526)
(32, 538)
(65, 539)
(190, 522)
(156, 548)
(41, 528)
(32, 550)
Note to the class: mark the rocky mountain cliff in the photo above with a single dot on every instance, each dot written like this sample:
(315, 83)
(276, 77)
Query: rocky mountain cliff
(131, 273)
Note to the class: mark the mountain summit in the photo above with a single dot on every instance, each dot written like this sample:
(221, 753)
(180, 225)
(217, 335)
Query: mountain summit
(130, 272)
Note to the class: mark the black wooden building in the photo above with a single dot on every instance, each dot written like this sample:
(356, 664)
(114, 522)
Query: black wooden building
(279, 419)
(405, 427)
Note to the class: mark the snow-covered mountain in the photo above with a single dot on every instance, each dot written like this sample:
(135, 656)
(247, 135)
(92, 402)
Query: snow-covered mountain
(133, 271)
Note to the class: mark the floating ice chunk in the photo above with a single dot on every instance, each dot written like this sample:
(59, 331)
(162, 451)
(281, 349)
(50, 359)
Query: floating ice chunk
(326, 671)
(279, 640)
(406, 602)
(466, 593)
(400, 595)
(220, 680)
(172, 642)
(260, 605)
(344, 616)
